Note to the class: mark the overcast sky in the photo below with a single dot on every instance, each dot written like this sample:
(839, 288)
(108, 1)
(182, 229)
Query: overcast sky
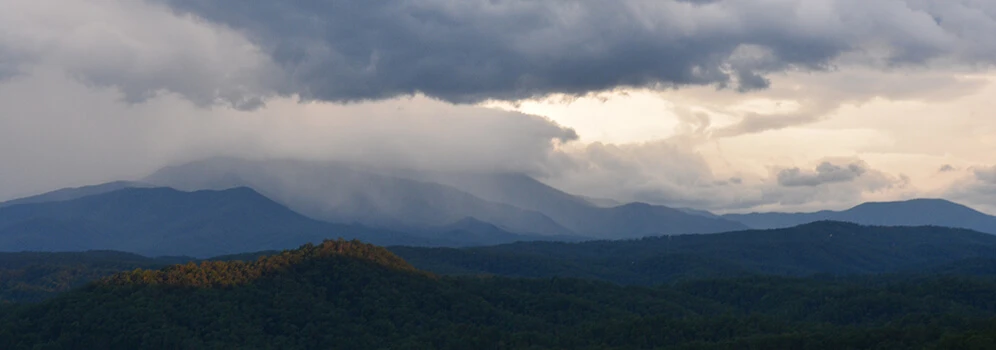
(726, 105)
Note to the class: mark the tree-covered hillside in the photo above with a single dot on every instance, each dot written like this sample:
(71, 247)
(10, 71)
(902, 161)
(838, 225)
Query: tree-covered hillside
(350, 295)
(829, 248)
(826, 247)
(35, 276)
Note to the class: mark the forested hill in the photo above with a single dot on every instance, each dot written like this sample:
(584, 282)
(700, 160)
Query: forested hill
(228, 273)
(349, 295)
(35, 276)
(822, 247)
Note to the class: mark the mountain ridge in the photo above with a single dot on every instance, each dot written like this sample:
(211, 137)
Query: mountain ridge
(577, 213)
(165, 221)
(70, 193)
(913, 212)
(337, 192)
(824, 247)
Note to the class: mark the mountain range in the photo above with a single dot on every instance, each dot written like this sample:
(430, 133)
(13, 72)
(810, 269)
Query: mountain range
(579, 214)
(165, 221)
(228, 205)
(915, 212)
(159, 221)
(406, 200)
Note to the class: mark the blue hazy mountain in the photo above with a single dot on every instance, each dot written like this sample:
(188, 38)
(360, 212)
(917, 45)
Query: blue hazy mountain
(338, 192)
(473, 232)
(916, 212)
(165, 221)
(580, 214)
(515, 203)
(75, 192)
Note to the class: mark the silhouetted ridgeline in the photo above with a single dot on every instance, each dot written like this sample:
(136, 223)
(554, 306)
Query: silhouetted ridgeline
(826, 247)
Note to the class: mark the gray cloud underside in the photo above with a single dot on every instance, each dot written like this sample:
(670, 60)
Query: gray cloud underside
(825, 173)
(473, 50)
(985, 174)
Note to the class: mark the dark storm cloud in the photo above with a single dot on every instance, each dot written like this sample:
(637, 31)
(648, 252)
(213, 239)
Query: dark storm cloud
(473, 50)
(824, 173)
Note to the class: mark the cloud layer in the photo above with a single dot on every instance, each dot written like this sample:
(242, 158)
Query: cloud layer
(99, 90)
(474, 50)
(669, 172)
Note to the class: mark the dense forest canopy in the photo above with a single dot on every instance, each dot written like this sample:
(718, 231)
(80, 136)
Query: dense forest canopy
(351, 295)
(827, 247)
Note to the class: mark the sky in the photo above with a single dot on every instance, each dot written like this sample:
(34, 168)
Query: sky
(725, 105)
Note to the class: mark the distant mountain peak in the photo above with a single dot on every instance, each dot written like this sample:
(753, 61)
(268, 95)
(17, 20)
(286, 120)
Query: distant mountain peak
(916, 202)
(71, 193)
(911, 212)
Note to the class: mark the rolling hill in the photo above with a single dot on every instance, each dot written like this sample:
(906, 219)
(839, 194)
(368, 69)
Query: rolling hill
(835, 248)
(36, 276)
(916, 212)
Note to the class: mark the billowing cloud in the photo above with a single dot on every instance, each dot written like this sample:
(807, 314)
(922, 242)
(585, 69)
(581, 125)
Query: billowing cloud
(84, 134)
(99, 90)
(673, 173)
(138, 47)
(824, 173)
(469, 51)
(799, 99)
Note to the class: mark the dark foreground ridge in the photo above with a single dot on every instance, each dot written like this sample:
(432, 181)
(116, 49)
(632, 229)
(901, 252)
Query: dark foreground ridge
(822, 248)
(826, 247)
(351, 295)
